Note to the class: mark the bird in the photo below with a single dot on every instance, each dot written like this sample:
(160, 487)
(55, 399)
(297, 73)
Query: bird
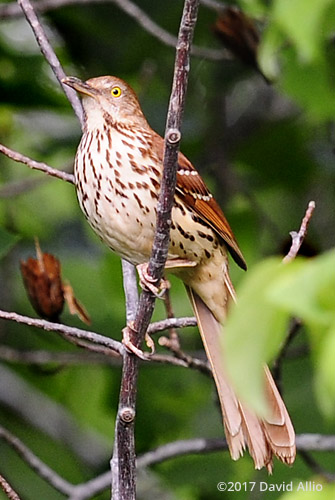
(118, 170)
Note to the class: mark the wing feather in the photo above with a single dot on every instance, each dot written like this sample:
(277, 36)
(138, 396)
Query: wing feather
(193, 192)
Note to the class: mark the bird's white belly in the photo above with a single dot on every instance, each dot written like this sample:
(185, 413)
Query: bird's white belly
(116, 200)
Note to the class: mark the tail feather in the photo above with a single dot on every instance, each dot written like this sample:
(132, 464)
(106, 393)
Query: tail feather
(275, 435)
(278, 427)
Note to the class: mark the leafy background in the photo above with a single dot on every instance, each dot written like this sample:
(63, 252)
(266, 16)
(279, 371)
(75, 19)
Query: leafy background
(265, 151)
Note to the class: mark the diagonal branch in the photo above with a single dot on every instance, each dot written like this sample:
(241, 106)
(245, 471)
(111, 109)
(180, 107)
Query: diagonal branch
(36, 165)
(65, 331)
(11, 10)
(8, 490)
(298, 237)
(42, 469)
(50, 55)
(297, 240)
(91, 488)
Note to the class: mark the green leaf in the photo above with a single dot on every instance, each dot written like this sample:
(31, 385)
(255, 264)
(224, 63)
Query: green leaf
(254, 330)
(308, 291)
(310, 85)
(302, 23)
(7, 241)
(325, 373)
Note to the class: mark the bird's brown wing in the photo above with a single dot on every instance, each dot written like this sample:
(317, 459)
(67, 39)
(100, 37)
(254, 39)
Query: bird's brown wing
(192, 190)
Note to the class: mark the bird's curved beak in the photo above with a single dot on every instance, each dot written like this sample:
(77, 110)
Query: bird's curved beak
(79, 86)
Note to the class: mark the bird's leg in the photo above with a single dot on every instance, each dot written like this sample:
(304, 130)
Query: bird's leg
(147, 282)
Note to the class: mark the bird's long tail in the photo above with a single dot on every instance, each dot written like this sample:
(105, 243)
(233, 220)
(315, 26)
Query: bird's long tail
(264, 438)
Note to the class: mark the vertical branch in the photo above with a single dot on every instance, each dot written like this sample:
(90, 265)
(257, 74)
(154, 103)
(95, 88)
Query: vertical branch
(130, 289)
(123, 461)
(50, 55)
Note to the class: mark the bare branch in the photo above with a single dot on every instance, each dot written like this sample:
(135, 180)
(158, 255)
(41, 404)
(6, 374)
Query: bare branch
(134, 11)
(197, 364)
(36, 165)
(168, 323)
(297, 240)
(70, 333)
(294, 328)
(305, 442)
(64, 330)
(186, 447)
(214, 5)
(162, 35)
(35, 463)
(8, 490)
(36, 409)
(316, 467)
(50, 56)
(130, 289)
(298, 237)
(40, 357)
(123, 461)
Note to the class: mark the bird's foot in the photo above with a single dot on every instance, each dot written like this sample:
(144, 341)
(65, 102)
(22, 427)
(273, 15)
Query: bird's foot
(148, 283)
(132, 348)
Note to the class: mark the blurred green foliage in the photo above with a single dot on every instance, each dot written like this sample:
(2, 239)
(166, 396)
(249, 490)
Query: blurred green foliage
(265, 151)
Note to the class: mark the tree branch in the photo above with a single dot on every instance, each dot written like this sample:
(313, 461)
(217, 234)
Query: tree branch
(298, 237)
(316, 467)
(36, 165)
(50, 56)
(8, 490)
(91, 488)
(12, 10)
(123, 461)
(64, 330)
(36, 464)
(297, 240)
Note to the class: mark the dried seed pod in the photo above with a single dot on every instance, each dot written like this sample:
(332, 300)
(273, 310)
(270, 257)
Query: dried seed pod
(42, 280)
(46, 291)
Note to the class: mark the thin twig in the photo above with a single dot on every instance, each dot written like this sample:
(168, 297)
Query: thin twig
(86, 335)
(35, 463)
(67, 331)
(50, 56)
(133, 10)
(8, 490)
(198, 364)
(298, 237)
(162, 35)
(295, 326)
(130, 289)
(316, 467)
(36, 165)
(305, 443)
(214, 5)
(41, 357)
(297, 240)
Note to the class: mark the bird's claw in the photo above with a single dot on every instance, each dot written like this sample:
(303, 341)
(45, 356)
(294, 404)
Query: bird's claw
(133, 349)
(148, 283)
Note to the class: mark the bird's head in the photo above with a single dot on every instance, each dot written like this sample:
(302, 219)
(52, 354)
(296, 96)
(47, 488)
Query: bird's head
(107, 97)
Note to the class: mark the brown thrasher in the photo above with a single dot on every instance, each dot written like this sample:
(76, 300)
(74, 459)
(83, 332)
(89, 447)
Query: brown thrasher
(118, 169)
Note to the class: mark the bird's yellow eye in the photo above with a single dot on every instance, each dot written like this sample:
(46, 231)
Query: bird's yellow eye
(116, 91)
